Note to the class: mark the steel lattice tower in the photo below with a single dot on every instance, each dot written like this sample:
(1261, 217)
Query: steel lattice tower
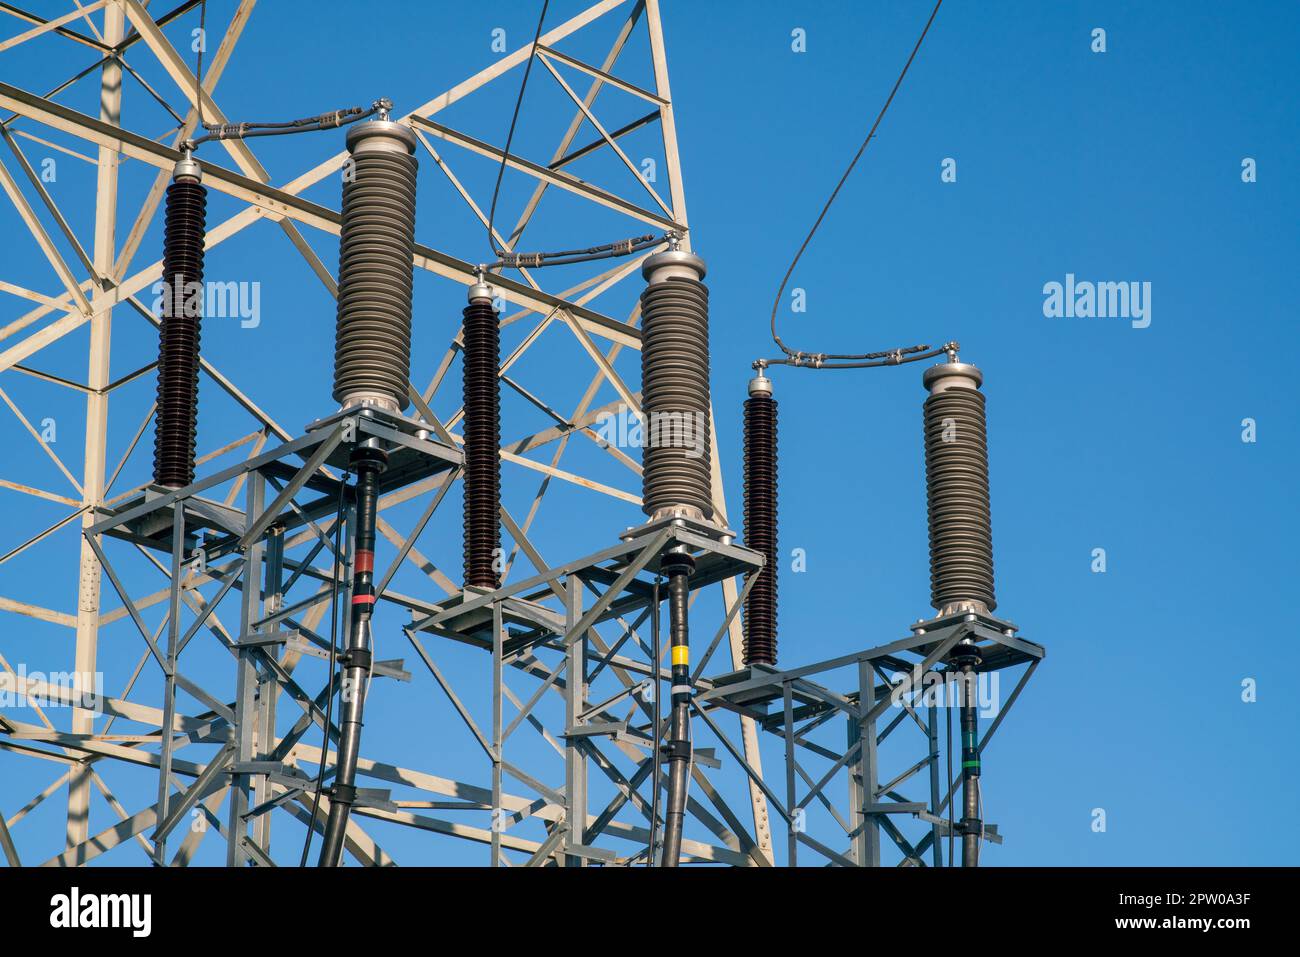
(580, 629)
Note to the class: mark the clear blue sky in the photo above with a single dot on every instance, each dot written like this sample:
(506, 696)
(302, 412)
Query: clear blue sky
(1117, 166)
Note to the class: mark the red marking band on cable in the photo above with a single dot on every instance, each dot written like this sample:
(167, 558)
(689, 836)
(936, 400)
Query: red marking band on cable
(365, 561)
(363, 599)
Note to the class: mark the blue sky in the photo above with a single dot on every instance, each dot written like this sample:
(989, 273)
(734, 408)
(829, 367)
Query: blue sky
(1117, 166)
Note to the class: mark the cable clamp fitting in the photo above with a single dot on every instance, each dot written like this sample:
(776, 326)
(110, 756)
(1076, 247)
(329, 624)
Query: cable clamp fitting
(343, 793)
(357, 658)
(226, 131)
(676, 749)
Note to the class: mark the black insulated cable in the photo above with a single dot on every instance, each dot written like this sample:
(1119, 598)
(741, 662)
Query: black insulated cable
(966, 659)
(332, 662)
(970, 786)
(656, 725)
(678, 567)
(368, 464)
(952, 824)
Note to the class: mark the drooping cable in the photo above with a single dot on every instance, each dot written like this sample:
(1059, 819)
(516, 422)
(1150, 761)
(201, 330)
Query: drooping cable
(333, 659)
(510, 136)
(536, 260)
(848, 357)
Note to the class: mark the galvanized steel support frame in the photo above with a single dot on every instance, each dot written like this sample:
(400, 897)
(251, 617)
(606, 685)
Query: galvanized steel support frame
(252, 768)
(897, 681)
(128, 31)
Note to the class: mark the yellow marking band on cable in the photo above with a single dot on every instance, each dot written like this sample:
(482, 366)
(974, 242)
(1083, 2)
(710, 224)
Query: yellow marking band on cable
(681, 655)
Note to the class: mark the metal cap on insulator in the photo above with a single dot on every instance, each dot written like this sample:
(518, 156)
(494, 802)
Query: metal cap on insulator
(187, 168)
(760, 385)
(481, 290)
(381, 135)
(673, 262)
(950, 375)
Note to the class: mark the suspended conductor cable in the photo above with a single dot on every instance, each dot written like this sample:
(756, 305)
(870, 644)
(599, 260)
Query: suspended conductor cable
(514, 119)
(869, 360)
(329, 702)
(565, 257)
(309, 124)
(198, 69)
(514, 260)
(822, 215)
